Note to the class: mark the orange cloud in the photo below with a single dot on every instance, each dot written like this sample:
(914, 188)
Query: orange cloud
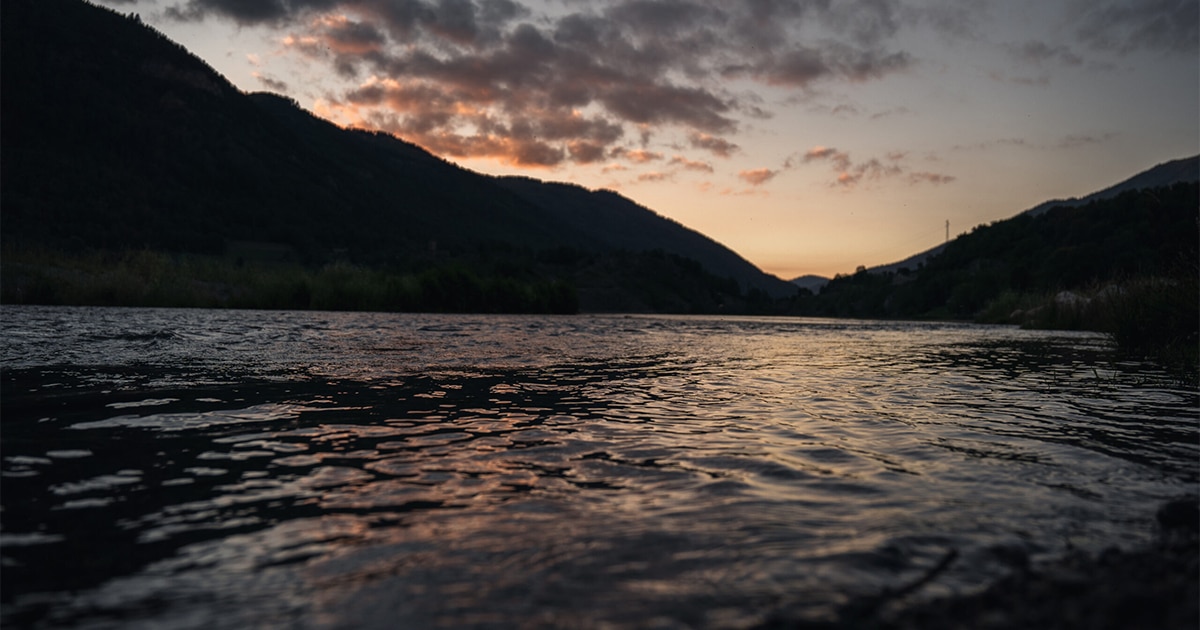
(473, 125)
(638, 156)
(840, 160)
(758, 176)
(691, 165)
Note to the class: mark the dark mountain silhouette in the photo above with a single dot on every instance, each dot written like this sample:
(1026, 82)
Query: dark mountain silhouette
(117, 139)
(1165, 174)
(607, 217)
(1126, 262)
(811, 282)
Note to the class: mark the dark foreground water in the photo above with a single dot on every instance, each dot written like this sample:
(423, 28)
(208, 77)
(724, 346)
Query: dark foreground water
(230, 469)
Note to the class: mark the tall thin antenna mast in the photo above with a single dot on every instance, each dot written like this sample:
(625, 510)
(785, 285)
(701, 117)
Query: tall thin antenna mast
(947, 230)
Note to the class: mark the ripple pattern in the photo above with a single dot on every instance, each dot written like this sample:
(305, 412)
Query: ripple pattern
(228, 469)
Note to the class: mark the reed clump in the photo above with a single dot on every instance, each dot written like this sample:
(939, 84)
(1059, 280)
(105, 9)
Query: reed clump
(1155, 316)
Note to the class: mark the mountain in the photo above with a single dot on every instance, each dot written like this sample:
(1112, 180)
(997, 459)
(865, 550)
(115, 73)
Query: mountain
(811, 282)
(1175, 171)
(1165, 174)
(912, 262)
(116, 139)
(1126, 262)
(607, 217)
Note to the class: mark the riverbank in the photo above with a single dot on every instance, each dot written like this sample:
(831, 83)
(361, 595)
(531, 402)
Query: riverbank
(260, 276)
(157, 279)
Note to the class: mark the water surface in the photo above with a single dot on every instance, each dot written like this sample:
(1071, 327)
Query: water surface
(198, 469)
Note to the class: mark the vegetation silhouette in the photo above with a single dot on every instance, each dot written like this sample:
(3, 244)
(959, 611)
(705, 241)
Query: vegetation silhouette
(1126, 265)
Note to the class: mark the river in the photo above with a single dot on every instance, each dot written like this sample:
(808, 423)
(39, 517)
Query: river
(167, 468)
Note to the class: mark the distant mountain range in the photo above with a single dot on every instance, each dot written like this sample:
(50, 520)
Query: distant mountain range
(1173, 172)
(1125, 260)
(1183, 170)
(115, 138)
(811, 282)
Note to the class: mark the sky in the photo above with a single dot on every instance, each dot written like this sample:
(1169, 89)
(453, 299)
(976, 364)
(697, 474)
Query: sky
(809, 136)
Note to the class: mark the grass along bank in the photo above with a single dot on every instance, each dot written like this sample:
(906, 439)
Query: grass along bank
(1147, 315)
(150, 278)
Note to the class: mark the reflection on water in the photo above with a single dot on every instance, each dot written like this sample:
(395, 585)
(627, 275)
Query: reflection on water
(185, 469)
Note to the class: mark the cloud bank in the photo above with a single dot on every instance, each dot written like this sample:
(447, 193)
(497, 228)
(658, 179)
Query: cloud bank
(546, 83)
(581, 83)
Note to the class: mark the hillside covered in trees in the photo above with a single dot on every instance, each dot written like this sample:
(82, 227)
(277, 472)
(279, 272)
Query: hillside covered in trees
(136, 174)
(1128, 265)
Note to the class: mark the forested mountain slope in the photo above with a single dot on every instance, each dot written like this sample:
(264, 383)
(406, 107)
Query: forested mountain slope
(1128, 264)
(116, 139)
(1183, 170)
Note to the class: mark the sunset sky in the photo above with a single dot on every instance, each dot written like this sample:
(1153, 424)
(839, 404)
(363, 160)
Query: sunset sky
(810, 136)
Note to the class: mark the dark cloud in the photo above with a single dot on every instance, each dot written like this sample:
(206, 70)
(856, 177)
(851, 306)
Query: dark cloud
(925, 177)
(664, 18)
(1072, 141)
(839, 159)
(1125, 26)
(895, 111)
(459, 21)
(954, 20)
(501, 11)
(352, 38)
(455, 21)
(650, 103)
(797, 67)
(872, 169)
(479, 77)
(867, 22)
(803, 66)
(987, 145)
(850, 173)
(530, 152)
(1038, 53)
(557, 125)
(691, 165)
(872, 64)
(271, 83)
(841, 109)
(583, 152)
(851, 110)
(249, 12)
(717, 146)
(1069, 141)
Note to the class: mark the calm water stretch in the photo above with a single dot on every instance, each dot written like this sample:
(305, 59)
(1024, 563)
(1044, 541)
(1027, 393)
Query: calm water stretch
(231, 469)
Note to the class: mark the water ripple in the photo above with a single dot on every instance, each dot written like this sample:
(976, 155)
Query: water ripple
(368, 470)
